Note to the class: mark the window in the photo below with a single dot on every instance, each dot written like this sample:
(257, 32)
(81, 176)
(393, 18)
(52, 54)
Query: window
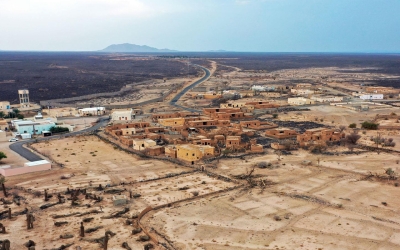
(192, 154)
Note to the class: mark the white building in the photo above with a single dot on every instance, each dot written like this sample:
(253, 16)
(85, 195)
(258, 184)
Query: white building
(123, 115)
(327, 98)
(300, 101)
(371, 96)
(262, 88)
(302, 91)
(92, 111)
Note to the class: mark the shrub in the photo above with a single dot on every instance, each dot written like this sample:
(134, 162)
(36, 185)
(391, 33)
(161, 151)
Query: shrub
(369, 125)
(58, 129)
(274, 116)
(353, 125)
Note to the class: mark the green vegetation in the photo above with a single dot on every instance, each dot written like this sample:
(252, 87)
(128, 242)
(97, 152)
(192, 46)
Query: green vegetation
(274, 116)
(57, 129)
(353, 125)
(369, 125)
(2, 155)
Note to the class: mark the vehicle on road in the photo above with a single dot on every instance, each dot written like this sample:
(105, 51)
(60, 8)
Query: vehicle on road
(13, 139)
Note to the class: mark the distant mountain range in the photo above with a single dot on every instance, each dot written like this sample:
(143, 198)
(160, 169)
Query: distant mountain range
(127, 47)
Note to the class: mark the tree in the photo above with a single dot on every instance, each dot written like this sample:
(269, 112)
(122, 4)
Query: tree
(2, 114)
(16, 111)
(2, 155)
(369, 125)
(353, 125)
(2, 181)
(352, 138)
(342, 128)
(274, 116)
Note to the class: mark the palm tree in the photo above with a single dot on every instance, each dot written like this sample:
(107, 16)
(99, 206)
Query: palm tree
(2, 181)
(2, 114)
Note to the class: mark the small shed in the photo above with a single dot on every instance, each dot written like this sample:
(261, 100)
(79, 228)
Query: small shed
(119, 200)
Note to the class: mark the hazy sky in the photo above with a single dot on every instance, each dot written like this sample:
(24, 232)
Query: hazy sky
(198, 25)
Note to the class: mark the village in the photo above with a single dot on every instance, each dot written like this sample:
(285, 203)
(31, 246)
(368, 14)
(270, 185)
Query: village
(236, 162)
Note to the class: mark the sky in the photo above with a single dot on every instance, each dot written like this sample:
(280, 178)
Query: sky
(201, 25)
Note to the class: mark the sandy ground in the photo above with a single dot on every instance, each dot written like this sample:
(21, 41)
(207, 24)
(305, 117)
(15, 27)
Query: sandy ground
(347, 212)
(92, 161)
(13, 159)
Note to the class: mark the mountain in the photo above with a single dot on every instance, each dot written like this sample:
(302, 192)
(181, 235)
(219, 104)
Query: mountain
(219, 50)
(127, 47)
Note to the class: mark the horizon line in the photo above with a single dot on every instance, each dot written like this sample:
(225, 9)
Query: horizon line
(212, 51)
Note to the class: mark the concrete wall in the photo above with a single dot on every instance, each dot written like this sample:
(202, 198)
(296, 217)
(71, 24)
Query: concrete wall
(9, 171)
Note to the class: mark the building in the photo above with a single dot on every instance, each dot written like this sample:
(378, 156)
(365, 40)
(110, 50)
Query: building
(5, 106)
(3, 125)
(319, 135)
(92, 111)
(32, 127)
(371, 96)
(328, 98)
(23, 98)
(28, 167)
(281, 133)
(302, 91)
(233, 142)
(304, 85)
(123, 115)
(300, 101)
(142, 144)
(172, 122)
(192, 153)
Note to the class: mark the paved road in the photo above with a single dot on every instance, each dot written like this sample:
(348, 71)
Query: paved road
(27, 154)
(174, 100)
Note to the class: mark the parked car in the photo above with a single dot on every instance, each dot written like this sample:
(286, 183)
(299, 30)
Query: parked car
(13, 139)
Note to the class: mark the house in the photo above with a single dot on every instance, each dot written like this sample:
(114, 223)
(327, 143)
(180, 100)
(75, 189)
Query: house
(155, 150)
(172, 122)
(5, 106)
(3, 125)
(232, 142)
(319, 135)
(142, 144)
(300, 101)
(281, 133)
(192, 153)
(122, 115)
(371, 96)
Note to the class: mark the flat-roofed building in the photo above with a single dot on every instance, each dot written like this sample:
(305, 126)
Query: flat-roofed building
(192, 153)
(122, 115)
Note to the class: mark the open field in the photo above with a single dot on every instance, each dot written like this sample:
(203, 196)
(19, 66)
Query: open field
(92, 161)
(309, 207)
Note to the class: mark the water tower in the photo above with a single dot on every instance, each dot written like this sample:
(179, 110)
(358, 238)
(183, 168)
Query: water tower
(23, 98)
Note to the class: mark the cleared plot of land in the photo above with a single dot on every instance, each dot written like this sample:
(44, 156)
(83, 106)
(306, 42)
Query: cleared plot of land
(250, 221)
(92, 161)
(177, 188)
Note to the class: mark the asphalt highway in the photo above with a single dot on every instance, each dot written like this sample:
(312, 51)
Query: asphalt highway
(174, 100)
(30, 156)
